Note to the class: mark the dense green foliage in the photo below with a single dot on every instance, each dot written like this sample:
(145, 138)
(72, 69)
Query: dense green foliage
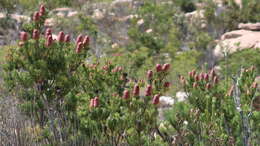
(213, 115)
(232, 15)
(242, 59)
(71, 99)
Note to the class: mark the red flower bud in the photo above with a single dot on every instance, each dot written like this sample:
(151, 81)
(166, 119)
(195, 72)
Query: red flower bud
(49, 41)
(79, 47)
(91, 103)
(48, 32)
(166, 67)
(156, 99)
(195, 85)
(36, 16)
(149, 74)
(166, 84)
(148, 90)
(67, 38)
(191, 75)
(61, 36)
(136, 90)
(86, 41)
(105, 67)
(42, 9)
(96, 102)
(119, 68)
(23, 36)
(206, 77)
(114, 70)
(197, 78)
(36, 34)
(41, 14)
(141, 81)
(126, 94)
(201, 76)
(208, 86)
(79, 38)
(158, 67)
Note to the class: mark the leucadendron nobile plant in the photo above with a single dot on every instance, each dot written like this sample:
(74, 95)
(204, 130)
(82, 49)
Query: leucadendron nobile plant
(72, 101)
(116, 109)
(42, 72)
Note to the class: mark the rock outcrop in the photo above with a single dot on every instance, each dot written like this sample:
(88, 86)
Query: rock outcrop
(233, 41)
(98, 14)
(64, 12)
(250, 26)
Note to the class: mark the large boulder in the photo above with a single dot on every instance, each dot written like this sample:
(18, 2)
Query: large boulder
(50, 22)
(20, 18)
(233, 41)
(2, 15)
(197, 16)
(250, 26)
(238, 2)
(98, 14)
(166, 101)
(64, 12)
(122, 2)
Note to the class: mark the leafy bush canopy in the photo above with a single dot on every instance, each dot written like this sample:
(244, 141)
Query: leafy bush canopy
(64, 94)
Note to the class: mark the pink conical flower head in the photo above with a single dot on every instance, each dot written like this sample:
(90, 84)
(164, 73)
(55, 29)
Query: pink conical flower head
(148, 90)
(23, 36)
(156, 99)
(61, 36)
(149, 74)
(206, 77)
(49, 41)
(79, 47)
(136, 90)
(158, 67)
(166, 67)
(86, 41)
(79, 39)
(36, 34)
(48, 32)
(42, 9)
(67, 38)
(126, 94)
(166, 84)
(197, 78)
(91, 103)
(96, 102)
(36, 16)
